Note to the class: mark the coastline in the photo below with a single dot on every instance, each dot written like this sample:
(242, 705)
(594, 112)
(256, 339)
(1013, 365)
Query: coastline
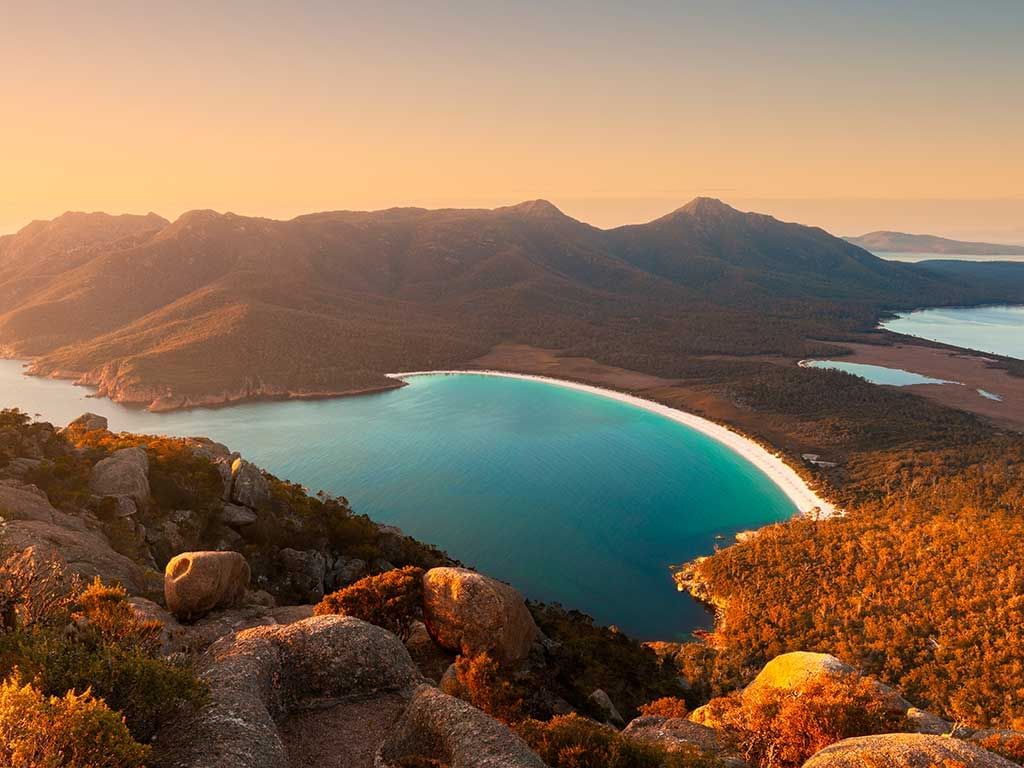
(796, 489)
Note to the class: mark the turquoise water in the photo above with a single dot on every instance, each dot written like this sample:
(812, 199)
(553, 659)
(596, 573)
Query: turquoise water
(570, 496)
(877, 374)
(997, 330)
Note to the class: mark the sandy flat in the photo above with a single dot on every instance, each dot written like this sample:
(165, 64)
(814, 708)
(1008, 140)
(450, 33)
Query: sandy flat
(805, 499)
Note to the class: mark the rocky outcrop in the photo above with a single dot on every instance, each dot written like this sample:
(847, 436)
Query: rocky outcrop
(87, 422)
(440, 727)
(85, 553)
(905, 750)
(343, 571)
(197, 582)
(125, 473)
(302, 575)
(260, 675)
(920, 721)
(248, 485)
(604, 704)
(431, 659)
(676, 734)
(467, 612)
(793, 671)
(19, 501)
(236, 515)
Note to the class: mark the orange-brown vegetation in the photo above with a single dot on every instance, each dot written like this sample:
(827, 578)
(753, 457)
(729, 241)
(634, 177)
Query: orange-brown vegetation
(481, 681)
(392, 600)
(75, 730)
(783, 728)
(666, 706)
(571, 741)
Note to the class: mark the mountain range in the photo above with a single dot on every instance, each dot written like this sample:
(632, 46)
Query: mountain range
(214, 308)
(901, 242)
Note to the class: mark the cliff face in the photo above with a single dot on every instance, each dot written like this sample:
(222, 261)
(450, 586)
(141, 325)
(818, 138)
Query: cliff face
(119, 381)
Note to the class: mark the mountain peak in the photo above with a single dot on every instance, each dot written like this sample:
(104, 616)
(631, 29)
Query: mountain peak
(706, 206)
(537, 207)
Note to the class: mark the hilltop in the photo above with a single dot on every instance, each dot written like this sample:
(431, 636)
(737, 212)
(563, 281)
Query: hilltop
(901, 242)
(215, 308)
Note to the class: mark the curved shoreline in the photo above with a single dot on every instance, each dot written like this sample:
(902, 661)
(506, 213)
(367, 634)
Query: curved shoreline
(805, 499)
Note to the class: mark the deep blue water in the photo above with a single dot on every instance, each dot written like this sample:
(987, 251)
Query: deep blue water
(998, 330)
(877, 374)
(570, 496)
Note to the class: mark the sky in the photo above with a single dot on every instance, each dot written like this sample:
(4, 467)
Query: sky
(853, 115)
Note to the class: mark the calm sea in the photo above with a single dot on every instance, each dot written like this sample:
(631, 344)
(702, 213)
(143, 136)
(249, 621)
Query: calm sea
(570, 496)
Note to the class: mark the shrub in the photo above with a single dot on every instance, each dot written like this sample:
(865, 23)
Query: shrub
(571, 741)
(482, 682)
(72, 731)
(95, 642)
(106, 609)
(31, 591)
(392, 600)
(782, 729)
(667, 706)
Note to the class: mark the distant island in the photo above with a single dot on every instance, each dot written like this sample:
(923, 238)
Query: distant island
(901, 242)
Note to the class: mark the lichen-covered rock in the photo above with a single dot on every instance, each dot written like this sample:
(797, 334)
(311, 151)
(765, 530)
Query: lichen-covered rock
(467, 612)
(198, 582)
(85, 553)
(122, 473)
(676, 734)
(905, 750)
(437, 726)
(248, 485)
(27, 502)
(260, 675)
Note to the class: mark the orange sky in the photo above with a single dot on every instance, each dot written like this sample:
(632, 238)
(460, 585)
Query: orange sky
(614, 113)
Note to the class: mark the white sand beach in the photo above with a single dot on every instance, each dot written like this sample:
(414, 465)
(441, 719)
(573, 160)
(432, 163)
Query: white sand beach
(807, 501)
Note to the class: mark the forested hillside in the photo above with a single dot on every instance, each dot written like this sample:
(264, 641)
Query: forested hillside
(218, 307)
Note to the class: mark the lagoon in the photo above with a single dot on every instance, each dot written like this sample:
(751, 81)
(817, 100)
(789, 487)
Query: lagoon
(573, 497)
(996, 330)
(877, 374)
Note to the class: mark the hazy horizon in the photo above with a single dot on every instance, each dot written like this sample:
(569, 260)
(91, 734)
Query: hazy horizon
(993, 221)
(848, 115)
